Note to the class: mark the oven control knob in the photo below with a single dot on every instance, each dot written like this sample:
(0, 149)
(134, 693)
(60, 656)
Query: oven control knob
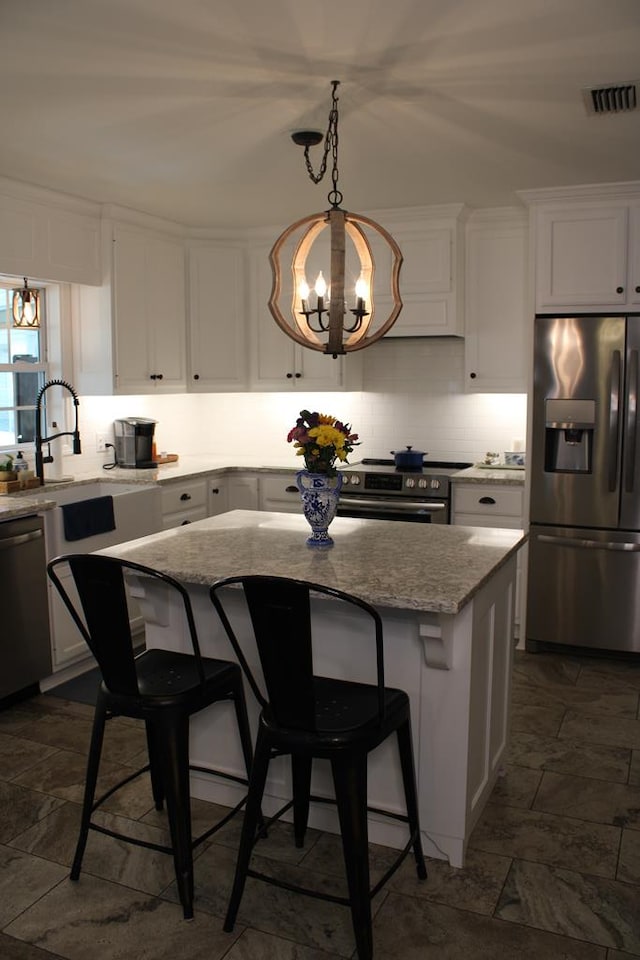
(354, 480)
(422, 484)
(435, 484)
(410, 482)
(345, 480)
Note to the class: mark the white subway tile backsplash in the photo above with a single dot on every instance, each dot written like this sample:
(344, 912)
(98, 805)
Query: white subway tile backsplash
(413, 394)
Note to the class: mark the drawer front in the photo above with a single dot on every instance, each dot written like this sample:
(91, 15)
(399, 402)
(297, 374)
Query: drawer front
(184, 496)
(170, 520)
(488, 500)
(279, 493)
(483, 520)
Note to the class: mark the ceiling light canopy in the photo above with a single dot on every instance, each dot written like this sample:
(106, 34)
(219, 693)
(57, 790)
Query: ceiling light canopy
(26, 306)
(323, 281)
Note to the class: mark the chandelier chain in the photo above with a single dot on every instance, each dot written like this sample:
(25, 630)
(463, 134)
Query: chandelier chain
(330, 144)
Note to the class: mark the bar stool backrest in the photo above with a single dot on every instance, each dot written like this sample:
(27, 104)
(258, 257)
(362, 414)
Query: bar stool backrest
(104, 624)
(281, 617)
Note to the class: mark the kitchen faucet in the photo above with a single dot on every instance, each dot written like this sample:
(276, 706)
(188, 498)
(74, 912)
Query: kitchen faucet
(40, 440)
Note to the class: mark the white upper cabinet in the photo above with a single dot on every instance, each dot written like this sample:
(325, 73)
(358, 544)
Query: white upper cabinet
(587, 251)
(277, 361)
(432, 274)
(496, 314)
(216, 326)
(48, 236)
(149, 312)
(129, 335)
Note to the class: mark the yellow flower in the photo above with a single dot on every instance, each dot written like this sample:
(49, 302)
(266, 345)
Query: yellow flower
(325, 418)
(326, 435)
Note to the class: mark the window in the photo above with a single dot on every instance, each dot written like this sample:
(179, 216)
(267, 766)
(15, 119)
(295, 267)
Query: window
(22, 372)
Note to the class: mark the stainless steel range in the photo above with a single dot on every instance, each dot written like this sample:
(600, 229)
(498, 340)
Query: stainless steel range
(378, 490)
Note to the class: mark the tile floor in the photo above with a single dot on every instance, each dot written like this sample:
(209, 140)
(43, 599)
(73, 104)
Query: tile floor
(553, 866)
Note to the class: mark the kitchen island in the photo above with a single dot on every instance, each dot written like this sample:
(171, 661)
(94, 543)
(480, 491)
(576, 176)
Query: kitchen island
(446, 596)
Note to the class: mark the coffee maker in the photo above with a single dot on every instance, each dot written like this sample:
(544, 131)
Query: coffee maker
(134, 442)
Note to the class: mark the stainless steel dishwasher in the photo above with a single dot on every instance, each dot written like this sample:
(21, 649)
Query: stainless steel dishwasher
(25, 645)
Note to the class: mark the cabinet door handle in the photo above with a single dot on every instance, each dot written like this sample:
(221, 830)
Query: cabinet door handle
(289, 376)
(185, 522)
(152, 376)
(215, 490)
(159, 376)
(619, 289)
(196, 376)
(291, 489)
(473, 376)
(298, 375)
(489, 500)
(637, 289)
(185, 496)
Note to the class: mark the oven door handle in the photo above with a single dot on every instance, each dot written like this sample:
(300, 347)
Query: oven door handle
(392, 506)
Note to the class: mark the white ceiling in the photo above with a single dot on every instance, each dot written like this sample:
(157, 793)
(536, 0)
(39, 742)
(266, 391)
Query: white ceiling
(184, 108)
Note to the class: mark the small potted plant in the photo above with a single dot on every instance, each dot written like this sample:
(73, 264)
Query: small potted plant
(7, 472)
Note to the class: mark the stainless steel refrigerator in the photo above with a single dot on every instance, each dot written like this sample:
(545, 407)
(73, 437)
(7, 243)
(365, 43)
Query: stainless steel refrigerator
(584, 549)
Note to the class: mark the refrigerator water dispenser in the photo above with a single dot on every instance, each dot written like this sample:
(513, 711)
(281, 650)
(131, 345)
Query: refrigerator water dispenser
(569, 427)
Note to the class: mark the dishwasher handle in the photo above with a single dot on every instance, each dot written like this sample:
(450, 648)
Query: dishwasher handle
(19, 539)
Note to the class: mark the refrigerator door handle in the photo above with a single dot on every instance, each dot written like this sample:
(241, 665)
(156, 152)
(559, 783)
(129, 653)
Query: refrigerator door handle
(589, 544)
(614, 413)
(631, 424)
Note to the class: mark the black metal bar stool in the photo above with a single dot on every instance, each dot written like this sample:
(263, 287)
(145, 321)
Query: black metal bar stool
(308, 716)
(161, 687)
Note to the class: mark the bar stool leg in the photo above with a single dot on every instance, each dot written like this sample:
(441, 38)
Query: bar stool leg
(93, 765)
(350, 780)
(405, 747)
(242, 719)
(173, 745)
(252, 819)
(155, 766)
(301, 777)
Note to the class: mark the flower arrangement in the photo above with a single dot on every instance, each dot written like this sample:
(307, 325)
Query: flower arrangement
(322, 440)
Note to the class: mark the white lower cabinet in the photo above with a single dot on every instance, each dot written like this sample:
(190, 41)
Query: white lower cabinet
(279, 492)
(217, 495)
(487, 505)
(242, 492)
(183, 502)
(491, 505)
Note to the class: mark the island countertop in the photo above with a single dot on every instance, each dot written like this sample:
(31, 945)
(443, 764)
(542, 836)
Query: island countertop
(430, 568)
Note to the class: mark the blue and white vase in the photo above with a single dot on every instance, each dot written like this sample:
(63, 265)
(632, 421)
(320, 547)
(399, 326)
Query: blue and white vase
(320, 495)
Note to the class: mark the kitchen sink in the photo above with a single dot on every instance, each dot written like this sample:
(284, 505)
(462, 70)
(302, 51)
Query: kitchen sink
(137, 511)
(63, 492)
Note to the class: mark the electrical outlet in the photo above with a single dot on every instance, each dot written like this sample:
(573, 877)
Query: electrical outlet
(101, 442)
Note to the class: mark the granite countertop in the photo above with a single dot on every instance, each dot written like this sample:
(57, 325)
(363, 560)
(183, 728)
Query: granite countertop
(423, 567)
(507, 476)
(190, 467)
(21, 505)
(23, 502)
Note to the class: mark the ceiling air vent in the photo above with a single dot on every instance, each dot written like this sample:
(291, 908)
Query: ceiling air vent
(611, 98)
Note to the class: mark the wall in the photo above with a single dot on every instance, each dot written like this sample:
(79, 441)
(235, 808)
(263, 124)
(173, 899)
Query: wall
(414, 394)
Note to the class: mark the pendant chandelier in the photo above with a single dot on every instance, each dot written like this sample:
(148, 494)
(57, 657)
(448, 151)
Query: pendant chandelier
(339, 315)
(25, 304)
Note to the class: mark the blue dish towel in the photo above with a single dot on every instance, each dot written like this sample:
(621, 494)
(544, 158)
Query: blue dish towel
(88, 518)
